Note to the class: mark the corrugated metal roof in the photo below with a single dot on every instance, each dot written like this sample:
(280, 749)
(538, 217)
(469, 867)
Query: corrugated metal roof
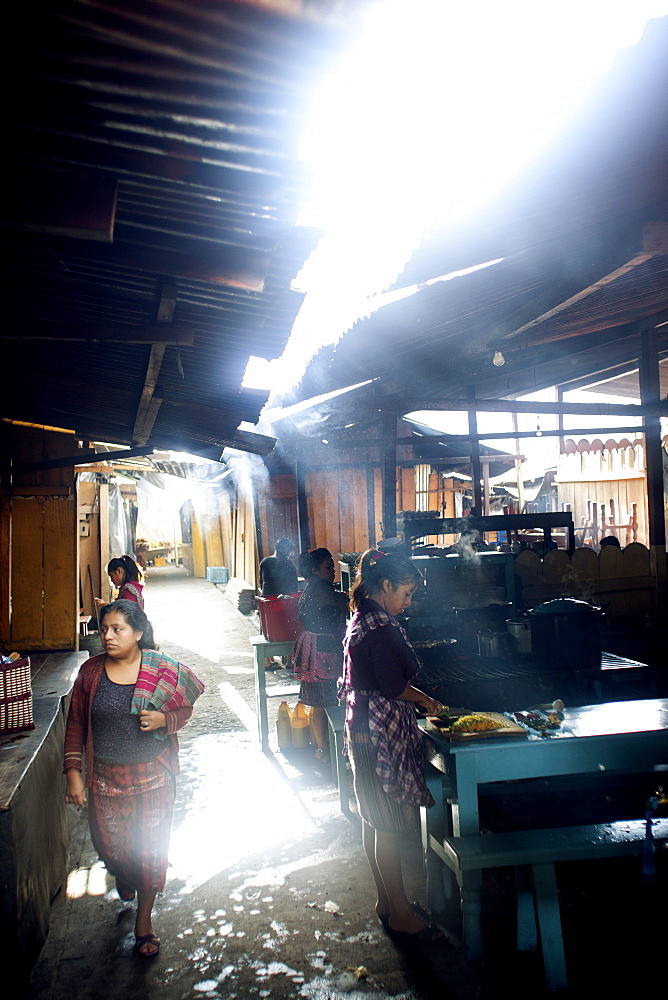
(151, 156)
(582, 238)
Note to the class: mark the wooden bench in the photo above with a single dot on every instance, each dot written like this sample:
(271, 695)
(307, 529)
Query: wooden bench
(533, 853)
(336, 717)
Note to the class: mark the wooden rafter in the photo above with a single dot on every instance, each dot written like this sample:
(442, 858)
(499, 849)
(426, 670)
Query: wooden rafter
(184, 336)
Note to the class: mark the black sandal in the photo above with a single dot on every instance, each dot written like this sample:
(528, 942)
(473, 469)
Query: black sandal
(428, 935)
(144, 939)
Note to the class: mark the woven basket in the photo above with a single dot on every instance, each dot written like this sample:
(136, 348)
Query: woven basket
(15, 697)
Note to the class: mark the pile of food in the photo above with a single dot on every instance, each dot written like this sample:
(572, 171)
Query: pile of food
(474, 724)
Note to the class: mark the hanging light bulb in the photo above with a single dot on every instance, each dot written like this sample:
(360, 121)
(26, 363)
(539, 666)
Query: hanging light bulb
(539, 432)
(498, 359)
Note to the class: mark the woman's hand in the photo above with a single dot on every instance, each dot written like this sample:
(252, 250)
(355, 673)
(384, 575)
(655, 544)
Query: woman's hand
(149, 721)
(430, 705)
(75, 794)
(99, 603)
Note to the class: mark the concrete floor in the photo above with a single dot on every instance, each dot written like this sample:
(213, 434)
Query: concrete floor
(269, 893)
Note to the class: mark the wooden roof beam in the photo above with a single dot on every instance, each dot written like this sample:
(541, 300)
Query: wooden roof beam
(515, 406)
(654, 243)
(184, 336)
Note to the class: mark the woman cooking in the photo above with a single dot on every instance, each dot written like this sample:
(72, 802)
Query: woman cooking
(381, 731)
(127, 705)
(318, 653)
(125, 574)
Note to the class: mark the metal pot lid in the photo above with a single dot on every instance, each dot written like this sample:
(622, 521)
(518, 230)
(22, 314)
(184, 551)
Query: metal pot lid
(564, 606)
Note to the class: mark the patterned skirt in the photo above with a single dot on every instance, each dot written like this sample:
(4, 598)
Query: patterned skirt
(130, 809)
(318, 694)
(374, 805)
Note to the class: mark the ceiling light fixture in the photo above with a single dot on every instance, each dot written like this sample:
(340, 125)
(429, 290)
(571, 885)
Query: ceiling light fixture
(498, 359)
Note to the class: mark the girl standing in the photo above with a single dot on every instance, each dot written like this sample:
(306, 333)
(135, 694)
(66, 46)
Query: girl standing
(125, 574)
(382, 734)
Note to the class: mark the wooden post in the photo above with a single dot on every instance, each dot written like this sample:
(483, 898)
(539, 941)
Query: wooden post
(370, 504)
(389, 472)
(476, 470)
(650, 392)
(518, 468)
(302, 508)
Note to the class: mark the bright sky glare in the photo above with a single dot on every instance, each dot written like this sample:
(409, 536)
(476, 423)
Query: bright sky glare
(433, 107)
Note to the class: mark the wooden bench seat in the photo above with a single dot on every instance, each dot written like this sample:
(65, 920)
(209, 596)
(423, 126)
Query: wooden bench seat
(533, 854)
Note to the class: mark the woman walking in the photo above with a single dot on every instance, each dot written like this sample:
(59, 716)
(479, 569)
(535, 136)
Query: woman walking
(382, 735)
(127, 705)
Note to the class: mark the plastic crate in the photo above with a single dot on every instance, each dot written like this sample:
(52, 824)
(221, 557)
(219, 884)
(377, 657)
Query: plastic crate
(279, 617)
(217, 574)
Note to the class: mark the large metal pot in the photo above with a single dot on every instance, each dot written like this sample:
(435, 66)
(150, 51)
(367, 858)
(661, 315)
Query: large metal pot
(565, 635)
(519, 629)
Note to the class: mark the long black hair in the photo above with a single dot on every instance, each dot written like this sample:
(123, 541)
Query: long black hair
(311, 560)
(375, 566)
(132, 571)
(135, 618)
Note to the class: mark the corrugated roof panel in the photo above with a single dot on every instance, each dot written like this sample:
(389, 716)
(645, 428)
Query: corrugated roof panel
(190, 114)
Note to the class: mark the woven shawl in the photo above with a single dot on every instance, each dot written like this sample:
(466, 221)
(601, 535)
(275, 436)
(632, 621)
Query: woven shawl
(164, 685)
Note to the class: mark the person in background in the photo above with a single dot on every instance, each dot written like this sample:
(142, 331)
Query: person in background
(125, 574)
(610, 540)
(318, 652)
(381, 731)
(127, 705)
(277, 572)
(278, 576)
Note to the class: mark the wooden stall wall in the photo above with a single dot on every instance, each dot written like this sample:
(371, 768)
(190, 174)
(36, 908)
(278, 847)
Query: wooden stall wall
(93, 513)
(339, 518)
(622, 581)
(604, 485)
(277, 500)
(40, 542)
(222, 533)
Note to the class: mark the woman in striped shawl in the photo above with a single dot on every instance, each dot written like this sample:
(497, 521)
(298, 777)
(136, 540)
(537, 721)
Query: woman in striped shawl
(382, 736)
(127, 705)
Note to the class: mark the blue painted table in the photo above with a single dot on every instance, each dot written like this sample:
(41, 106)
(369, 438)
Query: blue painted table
(620, 737)
(266, 648)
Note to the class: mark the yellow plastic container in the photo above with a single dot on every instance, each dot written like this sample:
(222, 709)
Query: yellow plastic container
(284, 726)
(301, 722)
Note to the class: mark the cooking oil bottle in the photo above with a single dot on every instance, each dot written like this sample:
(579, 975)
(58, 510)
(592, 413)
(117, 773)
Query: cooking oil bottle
(284, 726)
(301, 737)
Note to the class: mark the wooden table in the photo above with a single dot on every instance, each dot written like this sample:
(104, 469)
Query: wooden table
(620, 737)
(263, 649)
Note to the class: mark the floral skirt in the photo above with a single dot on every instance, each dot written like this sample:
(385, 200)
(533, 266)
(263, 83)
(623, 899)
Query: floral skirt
(130, 809)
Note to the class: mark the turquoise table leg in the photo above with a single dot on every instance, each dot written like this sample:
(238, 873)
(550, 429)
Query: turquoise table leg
(549, 924)
(527, 932)
(261, 698)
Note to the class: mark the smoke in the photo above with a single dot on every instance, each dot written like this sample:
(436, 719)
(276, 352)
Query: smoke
(249, 473)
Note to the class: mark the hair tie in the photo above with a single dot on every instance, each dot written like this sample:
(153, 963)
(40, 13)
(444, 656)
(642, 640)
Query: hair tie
(376, 556)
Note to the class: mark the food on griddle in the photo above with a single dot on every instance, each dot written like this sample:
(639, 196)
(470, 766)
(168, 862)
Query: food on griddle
(474, 724)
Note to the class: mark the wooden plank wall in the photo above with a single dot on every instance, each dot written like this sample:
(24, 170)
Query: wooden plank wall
(621, 580)
(624, 493)
(40, 544)
(277, 499)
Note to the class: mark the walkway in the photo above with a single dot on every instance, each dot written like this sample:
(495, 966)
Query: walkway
(269, 893)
